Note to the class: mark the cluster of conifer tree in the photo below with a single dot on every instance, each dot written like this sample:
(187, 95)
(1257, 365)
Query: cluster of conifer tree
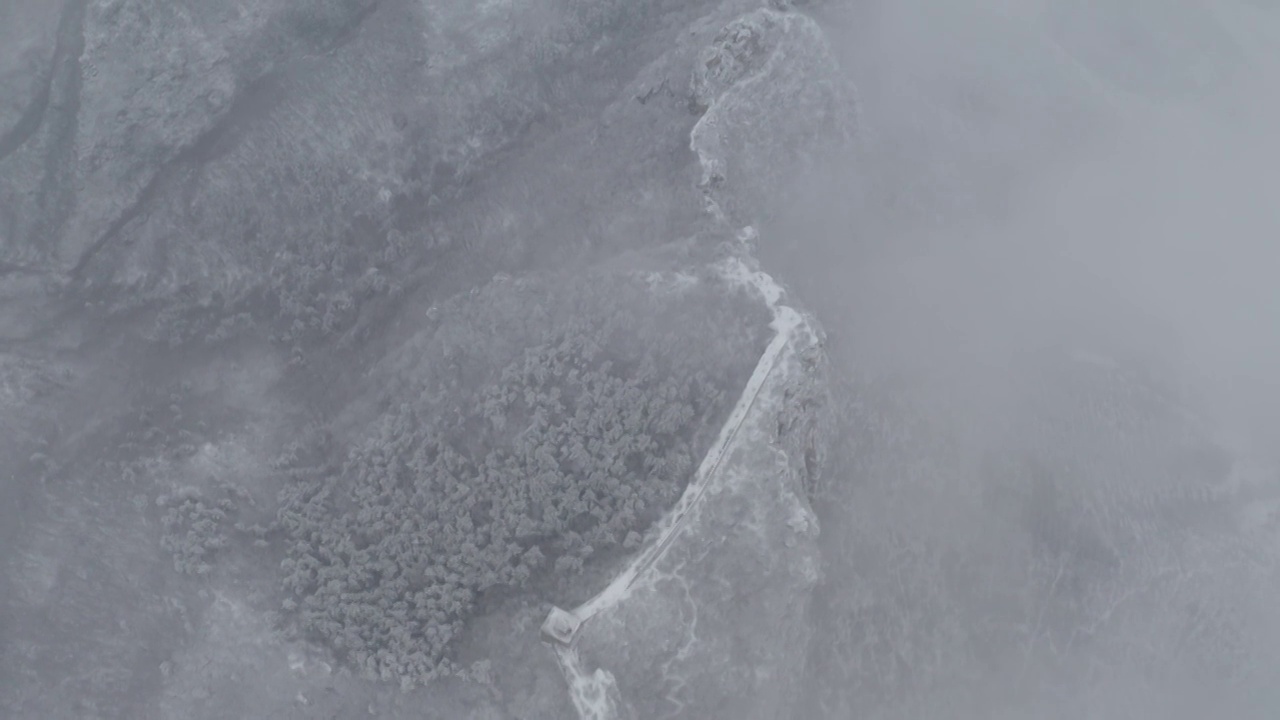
(516, 459)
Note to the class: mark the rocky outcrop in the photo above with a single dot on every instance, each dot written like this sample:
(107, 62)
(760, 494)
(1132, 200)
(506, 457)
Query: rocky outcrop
(775, 103)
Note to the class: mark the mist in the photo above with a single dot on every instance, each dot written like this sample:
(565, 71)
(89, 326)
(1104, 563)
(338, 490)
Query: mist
(1009, 196)
(413, 358)
(1095, 181)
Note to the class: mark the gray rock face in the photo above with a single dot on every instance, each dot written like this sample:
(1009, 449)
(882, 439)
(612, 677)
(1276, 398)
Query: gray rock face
(775, 103)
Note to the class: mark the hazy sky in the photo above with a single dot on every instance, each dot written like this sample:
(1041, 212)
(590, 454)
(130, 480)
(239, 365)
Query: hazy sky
(1117, 168)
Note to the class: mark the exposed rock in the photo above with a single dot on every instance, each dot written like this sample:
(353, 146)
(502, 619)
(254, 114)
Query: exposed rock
(775, 104)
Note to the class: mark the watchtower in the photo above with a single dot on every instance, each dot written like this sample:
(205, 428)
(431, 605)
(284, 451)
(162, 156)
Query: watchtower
(560, 627)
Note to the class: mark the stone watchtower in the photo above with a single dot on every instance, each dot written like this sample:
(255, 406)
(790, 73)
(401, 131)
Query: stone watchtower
(560, 627)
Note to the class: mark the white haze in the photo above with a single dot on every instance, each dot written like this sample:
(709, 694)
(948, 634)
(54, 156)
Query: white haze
(1096, 175)
(1037, 200)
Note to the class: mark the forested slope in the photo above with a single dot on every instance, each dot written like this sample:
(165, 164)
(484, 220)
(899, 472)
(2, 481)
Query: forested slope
(340, 339)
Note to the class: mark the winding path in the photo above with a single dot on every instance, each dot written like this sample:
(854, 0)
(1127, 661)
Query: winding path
(594, 694)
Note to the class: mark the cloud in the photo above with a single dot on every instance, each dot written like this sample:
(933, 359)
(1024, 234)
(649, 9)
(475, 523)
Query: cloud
(1059, 172)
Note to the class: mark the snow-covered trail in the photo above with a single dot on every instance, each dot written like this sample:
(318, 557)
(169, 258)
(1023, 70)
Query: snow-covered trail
(594, 695)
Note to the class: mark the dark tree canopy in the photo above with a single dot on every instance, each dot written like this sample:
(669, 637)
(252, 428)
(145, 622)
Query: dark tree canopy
(557, 429)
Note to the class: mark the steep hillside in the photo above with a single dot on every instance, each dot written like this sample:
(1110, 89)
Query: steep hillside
(341, 338)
